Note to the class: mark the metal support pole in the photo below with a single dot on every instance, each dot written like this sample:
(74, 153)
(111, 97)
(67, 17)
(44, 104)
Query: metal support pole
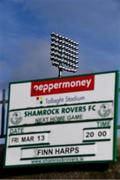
(60, 72)
(119, 124)
(3, 114)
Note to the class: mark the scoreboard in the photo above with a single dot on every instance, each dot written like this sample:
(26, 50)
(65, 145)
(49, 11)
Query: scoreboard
(62, 120)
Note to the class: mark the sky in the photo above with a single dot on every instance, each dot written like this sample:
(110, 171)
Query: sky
(26, 25)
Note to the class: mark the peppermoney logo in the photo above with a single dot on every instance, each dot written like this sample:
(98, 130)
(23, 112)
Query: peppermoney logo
(62, 85)
(16, 118)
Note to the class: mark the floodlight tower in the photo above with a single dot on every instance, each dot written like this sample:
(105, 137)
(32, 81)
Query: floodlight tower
(64, 53)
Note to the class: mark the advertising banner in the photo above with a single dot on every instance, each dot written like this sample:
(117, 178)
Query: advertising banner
(62, 120)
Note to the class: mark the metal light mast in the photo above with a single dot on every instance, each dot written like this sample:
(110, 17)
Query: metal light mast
(64, 53)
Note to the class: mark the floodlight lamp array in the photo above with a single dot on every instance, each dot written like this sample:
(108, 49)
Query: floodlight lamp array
(64, 53)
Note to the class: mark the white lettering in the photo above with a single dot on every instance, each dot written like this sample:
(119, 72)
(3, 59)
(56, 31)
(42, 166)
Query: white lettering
(88, 82)
(63, 85)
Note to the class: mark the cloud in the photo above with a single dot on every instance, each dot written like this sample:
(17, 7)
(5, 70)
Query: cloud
(35, 60)
(74, 18)
(28, 59)
(91, 20)
(80, 15)
(4, 73)
(26, 28)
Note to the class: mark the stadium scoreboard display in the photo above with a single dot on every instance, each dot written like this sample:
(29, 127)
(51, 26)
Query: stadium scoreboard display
(62, 120)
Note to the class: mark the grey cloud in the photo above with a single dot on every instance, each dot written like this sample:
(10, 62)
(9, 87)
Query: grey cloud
(35, 60)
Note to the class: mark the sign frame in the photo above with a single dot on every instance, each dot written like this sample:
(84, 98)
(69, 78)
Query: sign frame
(116, 92)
